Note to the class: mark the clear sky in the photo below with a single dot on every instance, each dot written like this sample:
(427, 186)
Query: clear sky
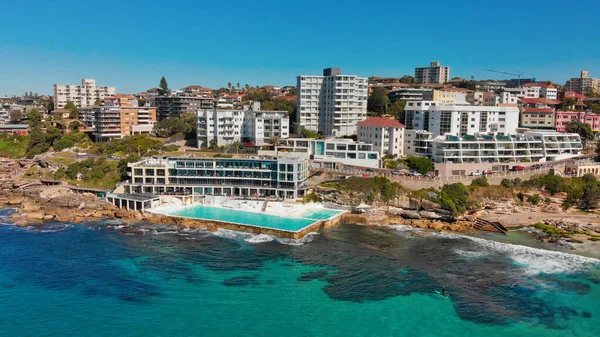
(130, 44)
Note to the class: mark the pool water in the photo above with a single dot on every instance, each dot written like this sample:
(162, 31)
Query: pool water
(245, 218)
(319, 214)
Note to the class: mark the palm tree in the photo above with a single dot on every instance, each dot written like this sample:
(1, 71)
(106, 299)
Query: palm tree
(247, 86)
(229, 85)
(276, 141)
(238, 85)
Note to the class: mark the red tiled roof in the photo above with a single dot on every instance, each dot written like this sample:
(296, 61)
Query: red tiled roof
(539, 110)
(539, 101)
(287, 98)
(381, 122)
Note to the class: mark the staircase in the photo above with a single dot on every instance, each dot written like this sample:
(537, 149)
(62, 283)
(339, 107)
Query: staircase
(484, 225)
(264, 206)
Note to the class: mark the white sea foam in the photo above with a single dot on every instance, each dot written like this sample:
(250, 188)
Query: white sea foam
(404, 228)
(262, 238)
(471, 254)
(534, 260)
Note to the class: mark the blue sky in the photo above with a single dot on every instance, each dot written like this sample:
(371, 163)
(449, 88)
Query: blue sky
(131, 44)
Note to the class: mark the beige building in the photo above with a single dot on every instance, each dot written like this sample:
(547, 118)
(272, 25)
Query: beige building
(120, 117)
(537, 118)
(446, 95)
(435, 73)
(584, 85)
(86, 94)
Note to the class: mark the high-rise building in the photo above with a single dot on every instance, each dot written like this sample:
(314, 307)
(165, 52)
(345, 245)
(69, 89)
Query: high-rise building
(435, 73)
(86, 94)
(332, 104)
(584, 85)
(175, 105)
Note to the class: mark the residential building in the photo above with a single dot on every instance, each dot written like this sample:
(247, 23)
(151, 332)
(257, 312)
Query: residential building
(331, 104)
(4, 116)
(15, 129)
(283, 177)
(584, 85)
(445, 95)
(120, 117)
(460, 118)
(523, 146)
(408, 94)
(385, 134)
(435, 73)
(329, 153)
(175, 105)
(537, 118)
(86, 94)
(562, 118)
(197, 90)
(248, 125)
(486, 85)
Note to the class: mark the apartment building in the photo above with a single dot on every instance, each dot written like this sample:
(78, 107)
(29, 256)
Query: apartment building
(408, 94)
(537, 118)
(174, 105)
(460, 118)
(198, 90)
(283, 177)
(522, 146)
(331, 104)
(86, 94)
(584, 85)
(385, 134)
(445, 95)
(4, 116)
(328, 153)
(248, 125)
(562, 118)
(435, 73)
(120, 117)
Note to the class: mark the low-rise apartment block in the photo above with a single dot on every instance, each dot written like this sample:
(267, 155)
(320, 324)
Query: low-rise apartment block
(385, 134)
(175, 105)
(248, 125)
(460, 118)
(86, 94)
(584, 84)
(283, 177)
(120, 117)
(523, 146)
(562, 118)
(327, 153)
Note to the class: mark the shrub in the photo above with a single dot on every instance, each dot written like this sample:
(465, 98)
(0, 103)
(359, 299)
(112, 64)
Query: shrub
(534, 199)
(454, 198)
(420, 164)
(565, 205)
(480, 181)
(312, 197)
(506, 183)
(547, 201)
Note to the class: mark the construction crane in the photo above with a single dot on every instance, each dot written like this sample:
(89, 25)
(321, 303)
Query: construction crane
(504, 72)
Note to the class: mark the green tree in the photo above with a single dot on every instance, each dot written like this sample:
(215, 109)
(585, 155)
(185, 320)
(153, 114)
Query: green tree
(591, 197)
(397, 109)
(15, 116)
(378, 101)
(171, 126)
(122, 166)
(306, 133)
(407, 79)
(63, 143)
(238, 85)
(163, 87)
(34, 117)
(506, 183)
(454, 198)
(534, 199)
(583, 129)
(247, 86)
(420, 164)
(213, 144)
(568, 104)
(74, 112)
(75, 125)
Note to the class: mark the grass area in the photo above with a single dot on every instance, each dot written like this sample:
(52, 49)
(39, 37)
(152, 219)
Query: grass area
(552, 231)
(62, 160)
(13, 147)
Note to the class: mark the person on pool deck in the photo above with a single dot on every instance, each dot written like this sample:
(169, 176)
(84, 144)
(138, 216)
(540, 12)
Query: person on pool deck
(443, 291)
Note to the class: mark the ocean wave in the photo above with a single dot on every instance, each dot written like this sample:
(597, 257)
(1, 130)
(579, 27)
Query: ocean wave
(472, 254)
(534, 260)
(404, 228)
(263, 238)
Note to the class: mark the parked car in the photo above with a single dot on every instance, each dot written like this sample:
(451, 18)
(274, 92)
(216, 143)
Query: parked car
(476, 173)
(111, 156)
(488, 172)
(370, 170)
(518, 168)
(416, 174)
(81, 154)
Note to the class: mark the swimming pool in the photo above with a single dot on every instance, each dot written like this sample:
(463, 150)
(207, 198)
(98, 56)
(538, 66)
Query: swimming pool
(319, 214)
(244, 218)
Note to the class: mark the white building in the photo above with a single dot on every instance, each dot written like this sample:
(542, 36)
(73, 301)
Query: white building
(4, 116)
(328, 153)
(523, 146)
(460, 118)
(86, 94)
(248, 125)
(331, 104)
(385, 134)
(435, 73)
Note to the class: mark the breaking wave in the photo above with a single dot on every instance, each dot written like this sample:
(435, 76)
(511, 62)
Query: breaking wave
(263, 238)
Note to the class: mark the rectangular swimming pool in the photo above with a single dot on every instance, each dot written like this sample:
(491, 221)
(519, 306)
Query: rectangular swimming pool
(244, 218)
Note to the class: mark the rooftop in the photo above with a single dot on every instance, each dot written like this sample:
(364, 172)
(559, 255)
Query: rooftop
(381, 122)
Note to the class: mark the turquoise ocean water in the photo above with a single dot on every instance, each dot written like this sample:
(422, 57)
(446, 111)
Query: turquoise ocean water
(98, 280)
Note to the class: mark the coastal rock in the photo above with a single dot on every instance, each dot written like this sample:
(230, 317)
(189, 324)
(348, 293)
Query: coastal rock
(15, 200)
(122, 213)
(48, 217)
(39, 215)
(63, 216)
(30, 206)
(429, 215)
(410, 215)
(436, 225)
(137, 215)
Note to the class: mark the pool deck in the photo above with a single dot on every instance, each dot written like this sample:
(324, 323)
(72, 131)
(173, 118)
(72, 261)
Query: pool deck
(280, 209)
